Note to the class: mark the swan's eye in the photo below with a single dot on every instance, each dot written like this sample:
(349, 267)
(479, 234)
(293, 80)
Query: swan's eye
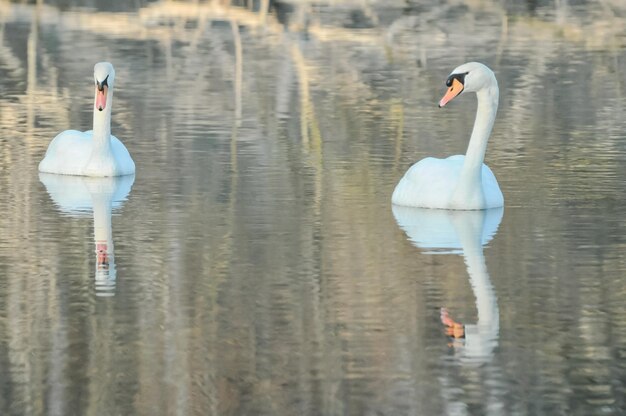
(459, 77)
(102, 84)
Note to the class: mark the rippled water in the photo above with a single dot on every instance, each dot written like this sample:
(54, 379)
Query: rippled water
(254, 264)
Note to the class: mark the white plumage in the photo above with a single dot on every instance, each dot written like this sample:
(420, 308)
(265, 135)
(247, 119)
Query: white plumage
(95, 152)
(461, 182)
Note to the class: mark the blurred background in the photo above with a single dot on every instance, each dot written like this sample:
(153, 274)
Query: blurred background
(258, 266)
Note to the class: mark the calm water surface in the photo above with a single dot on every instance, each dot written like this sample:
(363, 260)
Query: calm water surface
(254, 264)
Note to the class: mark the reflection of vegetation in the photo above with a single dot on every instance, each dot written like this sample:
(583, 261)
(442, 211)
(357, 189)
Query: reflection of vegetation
(264, 269)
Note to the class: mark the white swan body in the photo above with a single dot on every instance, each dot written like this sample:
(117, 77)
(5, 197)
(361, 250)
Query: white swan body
(95, 152)
(459, 182)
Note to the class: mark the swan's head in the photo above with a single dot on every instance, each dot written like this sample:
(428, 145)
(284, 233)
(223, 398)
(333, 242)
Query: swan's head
(104, 77)
(469, 77)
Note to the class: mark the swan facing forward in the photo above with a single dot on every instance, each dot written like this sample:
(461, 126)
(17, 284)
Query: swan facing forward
(95, 152)
(458, 182)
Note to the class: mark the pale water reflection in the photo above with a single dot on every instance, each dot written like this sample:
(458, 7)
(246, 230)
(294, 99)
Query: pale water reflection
(442, 232)
(78, 196)
(258, 266)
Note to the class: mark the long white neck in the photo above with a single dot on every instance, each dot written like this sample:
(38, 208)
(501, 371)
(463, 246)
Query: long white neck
(469, 190)
(102, 126)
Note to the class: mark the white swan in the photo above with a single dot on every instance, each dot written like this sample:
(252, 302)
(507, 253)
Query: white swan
(95, 152)
(458, 182)
(467, 232)
(79, 196)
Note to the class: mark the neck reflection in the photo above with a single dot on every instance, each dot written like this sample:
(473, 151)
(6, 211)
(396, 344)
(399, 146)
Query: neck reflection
(461, 232)
(80, 196)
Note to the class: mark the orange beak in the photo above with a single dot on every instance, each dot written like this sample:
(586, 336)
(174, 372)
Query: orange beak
(453, 91)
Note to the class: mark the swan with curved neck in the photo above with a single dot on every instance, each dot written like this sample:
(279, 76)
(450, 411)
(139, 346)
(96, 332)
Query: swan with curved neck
(459, 182)
(95, 152)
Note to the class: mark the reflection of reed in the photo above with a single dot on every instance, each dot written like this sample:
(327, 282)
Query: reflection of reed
(306, 109)
(36, 97)
(264, 8)
(238, 69)
(31, 86)
(309, 129)
(312, 142)
(396, 115)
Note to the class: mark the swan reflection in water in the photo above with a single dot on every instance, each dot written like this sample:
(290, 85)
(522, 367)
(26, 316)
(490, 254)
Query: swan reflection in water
(79, 196)
(461, 232)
